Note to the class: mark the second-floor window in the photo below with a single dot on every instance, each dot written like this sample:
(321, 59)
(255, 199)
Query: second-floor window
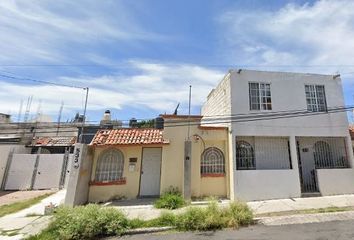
(316, 98)
(260, 97)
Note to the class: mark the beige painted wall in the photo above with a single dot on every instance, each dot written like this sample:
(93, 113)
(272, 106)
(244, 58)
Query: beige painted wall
(130, 190)
(171, 166)
(173, 160)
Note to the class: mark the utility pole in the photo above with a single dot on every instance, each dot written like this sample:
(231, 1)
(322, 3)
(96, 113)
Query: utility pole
(59, 116)
(19, 114)
(84, 118)
(189, 111)
(188, 156)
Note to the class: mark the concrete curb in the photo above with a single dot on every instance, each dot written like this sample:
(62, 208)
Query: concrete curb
(148, 230)
(306, 218)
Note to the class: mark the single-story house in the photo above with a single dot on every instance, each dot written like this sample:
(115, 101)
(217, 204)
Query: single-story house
(134, 163)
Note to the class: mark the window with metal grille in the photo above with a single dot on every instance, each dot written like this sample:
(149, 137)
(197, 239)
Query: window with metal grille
(110, 166)
(326, 158)
(260, 96)
(316, 98)
(245, 159)
(212, 161)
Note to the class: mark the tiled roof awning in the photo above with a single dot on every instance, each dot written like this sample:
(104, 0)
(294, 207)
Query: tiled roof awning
(129, 136)
(54, 141)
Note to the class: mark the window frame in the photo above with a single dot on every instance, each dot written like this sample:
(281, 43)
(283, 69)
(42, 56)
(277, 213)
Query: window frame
(111, 172)
(313, 96)
(253, 157)
(263, 100)
(206, 166)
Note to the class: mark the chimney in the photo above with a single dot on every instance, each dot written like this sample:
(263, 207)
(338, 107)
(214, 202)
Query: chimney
(106, 120)
(107, 116)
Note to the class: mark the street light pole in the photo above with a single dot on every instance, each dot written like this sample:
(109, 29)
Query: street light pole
(84, 118)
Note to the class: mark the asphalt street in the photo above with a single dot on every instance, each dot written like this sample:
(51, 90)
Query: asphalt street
(342, 230)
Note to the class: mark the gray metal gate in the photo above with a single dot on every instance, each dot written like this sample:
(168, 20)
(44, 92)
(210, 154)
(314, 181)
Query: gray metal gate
(20, 173)
(307, 169)
(49, 171)
(319, 153)
(36, 171)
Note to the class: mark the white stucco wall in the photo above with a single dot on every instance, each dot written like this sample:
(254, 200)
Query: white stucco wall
(252, 185)
(219, 100)
(288, 93)
(335, 181)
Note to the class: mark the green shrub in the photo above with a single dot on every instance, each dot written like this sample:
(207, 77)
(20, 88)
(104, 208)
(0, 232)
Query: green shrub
(201, 219)
(136, 223)
(86, 222)
(213, 217)
(239, 214)
(171, 199)
(165, 219)
(191, 219)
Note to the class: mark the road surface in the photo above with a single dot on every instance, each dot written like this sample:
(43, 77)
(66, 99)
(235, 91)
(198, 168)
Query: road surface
(341, 230)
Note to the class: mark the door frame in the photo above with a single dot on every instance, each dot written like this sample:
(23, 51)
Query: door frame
(314, 184)
(141, 169)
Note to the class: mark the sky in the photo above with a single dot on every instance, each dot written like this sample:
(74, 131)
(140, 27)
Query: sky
(139, 57)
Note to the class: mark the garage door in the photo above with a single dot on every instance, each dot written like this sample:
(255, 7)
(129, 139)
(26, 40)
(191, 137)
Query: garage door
(20, 173)
(49, 171)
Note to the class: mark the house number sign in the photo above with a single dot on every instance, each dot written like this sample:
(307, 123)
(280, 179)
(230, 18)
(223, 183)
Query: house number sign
(76, 158)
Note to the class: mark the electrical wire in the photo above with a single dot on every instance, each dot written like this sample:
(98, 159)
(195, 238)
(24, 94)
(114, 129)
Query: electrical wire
(220, 121)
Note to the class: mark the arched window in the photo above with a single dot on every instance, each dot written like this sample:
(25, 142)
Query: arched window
(245, 156)
(323, 155)
(212, 161)
(110, 166)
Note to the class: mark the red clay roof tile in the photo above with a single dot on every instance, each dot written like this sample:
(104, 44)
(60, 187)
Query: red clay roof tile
(129, 136)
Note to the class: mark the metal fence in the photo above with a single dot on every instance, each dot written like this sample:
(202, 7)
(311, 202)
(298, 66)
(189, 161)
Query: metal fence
(256, 153)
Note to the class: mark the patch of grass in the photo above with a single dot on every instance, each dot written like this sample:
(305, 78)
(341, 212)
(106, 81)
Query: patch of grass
(94, 221)
(171, 199)
(165, 219)
(307, 211)
(85, 222)
(214, 217)
(17, 206)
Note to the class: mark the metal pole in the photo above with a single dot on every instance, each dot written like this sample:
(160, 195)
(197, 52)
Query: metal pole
(189, 110)
(83, 121)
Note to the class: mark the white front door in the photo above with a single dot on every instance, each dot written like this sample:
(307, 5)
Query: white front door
(150, 172)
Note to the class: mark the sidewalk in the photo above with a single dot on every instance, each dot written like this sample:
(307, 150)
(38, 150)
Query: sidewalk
(285, 205)
(147, 211)
(23, 224)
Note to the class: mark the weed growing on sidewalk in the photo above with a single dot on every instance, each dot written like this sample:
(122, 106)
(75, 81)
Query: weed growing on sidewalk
(214, 217)
(85, 222)
(171, 199)
(17, 206)
(93, 221)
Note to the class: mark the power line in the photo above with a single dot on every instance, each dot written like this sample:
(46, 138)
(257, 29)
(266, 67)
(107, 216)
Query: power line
(240, 120)
(41, 81)
(294, 115)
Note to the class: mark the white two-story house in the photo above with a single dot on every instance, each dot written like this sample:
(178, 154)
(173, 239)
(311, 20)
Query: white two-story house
(288, 133)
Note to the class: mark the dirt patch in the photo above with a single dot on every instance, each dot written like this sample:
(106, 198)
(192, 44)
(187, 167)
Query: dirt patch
(8, 197)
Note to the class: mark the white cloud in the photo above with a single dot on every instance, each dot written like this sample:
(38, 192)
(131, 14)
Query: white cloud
(317, 34)
(54, 30)
(155, 86)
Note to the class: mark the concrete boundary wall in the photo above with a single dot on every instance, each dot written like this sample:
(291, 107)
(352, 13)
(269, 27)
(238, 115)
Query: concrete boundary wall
(80, 173)
(335, 181)
(252, 185)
